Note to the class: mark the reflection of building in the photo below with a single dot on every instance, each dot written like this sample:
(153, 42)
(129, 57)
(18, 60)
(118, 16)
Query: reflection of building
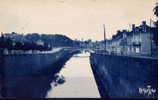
(134, 42)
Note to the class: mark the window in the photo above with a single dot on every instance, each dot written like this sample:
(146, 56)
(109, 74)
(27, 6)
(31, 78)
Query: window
(137, 50)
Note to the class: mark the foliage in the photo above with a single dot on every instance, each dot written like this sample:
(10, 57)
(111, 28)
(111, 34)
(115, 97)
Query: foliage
(155, 29)
(31, 41)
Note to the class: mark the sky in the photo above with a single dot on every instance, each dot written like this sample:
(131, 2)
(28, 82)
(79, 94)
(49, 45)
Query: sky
(77, 19)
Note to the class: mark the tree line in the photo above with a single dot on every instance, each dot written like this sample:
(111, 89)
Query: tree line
(33, 41)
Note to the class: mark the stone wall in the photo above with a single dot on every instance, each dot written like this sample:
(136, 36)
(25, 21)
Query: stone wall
(122, 76)
(28, 64)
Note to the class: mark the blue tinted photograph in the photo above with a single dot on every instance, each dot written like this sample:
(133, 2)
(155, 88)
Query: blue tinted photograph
(79, 49)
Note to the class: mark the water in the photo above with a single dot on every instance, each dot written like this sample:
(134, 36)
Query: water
(80, 82)
(41, 76)
(30, 75)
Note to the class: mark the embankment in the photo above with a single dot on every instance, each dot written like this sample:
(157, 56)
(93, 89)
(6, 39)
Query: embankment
(34, 64)
(30, 75)
(121, 76)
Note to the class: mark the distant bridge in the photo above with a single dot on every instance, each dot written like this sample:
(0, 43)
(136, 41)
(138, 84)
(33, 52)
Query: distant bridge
(81, 56)
(81, 49)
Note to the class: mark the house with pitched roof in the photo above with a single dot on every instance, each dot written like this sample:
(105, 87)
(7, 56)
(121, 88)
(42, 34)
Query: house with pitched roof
(134, 42)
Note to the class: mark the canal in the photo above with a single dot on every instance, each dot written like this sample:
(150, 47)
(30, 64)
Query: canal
(79, 79)
(66, 74)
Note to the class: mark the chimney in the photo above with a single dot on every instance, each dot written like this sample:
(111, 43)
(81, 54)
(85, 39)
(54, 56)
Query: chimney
(133, 26)
(143, 22)
(144, 26)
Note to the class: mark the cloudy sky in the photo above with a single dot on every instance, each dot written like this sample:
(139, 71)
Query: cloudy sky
(74, 18)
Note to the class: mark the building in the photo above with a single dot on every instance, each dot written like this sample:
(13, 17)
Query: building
(134, 42)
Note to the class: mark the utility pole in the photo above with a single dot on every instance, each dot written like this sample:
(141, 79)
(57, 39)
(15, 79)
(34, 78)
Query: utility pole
(150, 38)
(104, 36)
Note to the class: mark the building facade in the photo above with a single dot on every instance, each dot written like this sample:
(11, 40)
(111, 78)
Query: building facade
(134, 42)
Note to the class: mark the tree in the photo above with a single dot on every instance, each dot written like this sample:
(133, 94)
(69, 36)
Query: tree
(18, 46)
(156, 10)
(8, 44)
(155, 29)
(2, 42)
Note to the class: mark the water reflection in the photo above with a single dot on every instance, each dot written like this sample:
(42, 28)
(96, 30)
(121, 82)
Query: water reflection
(35, 85)
(79, 78)
(27, 86)
(76, 76)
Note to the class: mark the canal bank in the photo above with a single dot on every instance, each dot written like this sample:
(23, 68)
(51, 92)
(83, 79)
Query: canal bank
(31, 75)
(125, 77)
(28, 64)
(79, 80)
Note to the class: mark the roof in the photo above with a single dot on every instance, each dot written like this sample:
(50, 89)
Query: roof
(135, 30)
